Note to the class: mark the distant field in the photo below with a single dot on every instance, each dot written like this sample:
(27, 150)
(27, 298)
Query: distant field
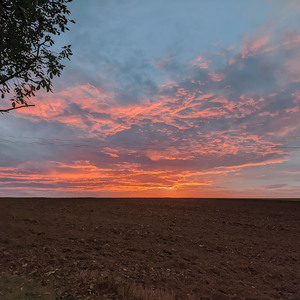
(149, 249)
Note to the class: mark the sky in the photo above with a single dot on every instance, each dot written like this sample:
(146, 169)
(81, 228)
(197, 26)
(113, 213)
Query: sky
(173, 98)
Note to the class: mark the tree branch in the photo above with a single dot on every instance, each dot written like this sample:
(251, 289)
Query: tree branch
(7, 78)
(13, 108)
(27, 67)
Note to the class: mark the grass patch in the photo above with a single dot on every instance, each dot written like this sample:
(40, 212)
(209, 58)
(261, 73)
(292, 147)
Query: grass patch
(16, 287)
(13, 287)
(99, 285)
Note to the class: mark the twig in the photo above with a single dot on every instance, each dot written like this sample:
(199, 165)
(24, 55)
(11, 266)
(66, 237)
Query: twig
(13, 108)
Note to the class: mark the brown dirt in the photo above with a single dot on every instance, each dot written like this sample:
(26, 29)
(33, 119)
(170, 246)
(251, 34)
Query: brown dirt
(207, 248)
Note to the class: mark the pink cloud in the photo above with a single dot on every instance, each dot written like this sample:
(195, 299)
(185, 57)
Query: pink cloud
(216, 77)
(231, 61)
(200, 62)
(254, 45)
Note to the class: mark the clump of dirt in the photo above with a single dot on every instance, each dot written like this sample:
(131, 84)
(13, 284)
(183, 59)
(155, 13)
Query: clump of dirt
(171, 248)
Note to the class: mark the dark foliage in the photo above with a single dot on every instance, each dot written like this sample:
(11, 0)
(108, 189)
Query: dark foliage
(27, 62)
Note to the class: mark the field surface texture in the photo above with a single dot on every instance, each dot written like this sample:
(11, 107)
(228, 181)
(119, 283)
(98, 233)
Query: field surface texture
(153, 248)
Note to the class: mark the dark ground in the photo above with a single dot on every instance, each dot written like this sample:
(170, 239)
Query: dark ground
(207, 248)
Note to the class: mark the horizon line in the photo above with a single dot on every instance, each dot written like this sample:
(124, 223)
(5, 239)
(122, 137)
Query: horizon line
(187, 198)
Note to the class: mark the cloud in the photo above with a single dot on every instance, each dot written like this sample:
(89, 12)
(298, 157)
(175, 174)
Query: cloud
(186, 132)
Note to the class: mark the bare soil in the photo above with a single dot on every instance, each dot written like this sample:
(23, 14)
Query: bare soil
(199, 248)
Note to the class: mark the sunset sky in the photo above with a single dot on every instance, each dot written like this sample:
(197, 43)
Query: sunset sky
(173, 98)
